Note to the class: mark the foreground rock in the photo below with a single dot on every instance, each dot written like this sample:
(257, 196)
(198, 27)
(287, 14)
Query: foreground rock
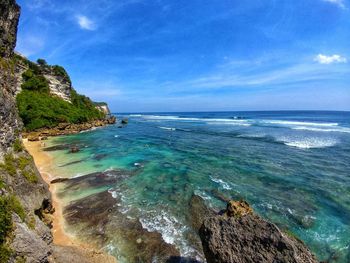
(240, 236)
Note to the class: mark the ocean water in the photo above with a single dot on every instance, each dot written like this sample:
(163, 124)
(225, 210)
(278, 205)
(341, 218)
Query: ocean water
(292, 167)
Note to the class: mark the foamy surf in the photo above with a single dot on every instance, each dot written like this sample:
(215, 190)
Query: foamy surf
(310, 143)
(336, 129)
(167, 128)
(221, 183)
(300, 123)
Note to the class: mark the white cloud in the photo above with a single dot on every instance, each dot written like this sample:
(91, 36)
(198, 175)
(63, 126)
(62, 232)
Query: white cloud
(339, 3)
(85, 23)
(324, 59)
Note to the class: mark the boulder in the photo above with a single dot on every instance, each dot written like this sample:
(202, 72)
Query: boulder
(34, 137)
(240, 236)
(74, 149)
(125, 121)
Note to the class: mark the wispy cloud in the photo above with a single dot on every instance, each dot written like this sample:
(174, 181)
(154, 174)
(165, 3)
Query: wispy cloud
(339, 3)
(324, 59)
(85, 22)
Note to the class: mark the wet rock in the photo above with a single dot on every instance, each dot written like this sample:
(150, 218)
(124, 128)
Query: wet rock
(57, 147)
(102, 221)
(220, 196)
(59, 180)
(241, 236)
(198, 211)
(74, 149)
(125, 121)
(100, 156)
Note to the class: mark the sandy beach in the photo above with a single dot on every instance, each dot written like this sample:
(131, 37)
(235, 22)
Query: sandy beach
(44, 163)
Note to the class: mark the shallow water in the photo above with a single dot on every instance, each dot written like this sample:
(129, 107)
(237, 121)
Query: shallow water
(293, 167)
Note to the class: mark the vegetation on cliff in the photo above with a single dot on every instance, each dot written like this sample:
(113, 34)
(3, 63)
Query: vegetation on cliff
(38, 108)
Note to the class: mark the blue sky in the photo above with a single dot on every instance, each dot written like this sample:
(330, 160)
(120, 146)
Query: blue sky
(196, 55)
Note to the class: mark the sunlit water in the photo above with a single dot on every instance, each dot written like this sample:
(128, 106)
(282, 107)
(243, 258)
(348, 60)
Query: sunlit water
(293, 167)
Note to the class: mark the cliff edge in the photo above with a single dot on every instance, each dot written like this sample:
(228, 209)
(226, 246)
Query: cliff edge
(25, 201)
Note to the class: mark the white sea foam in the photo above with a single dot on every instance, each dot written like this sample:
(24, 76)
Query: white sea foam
(222, 183)
(220, 121)
(135, 115)
(116, 136)
(202, 194)
(171, 229)
(312, 142)
(167, 128)
(336, 129)
(289, 123)
(113, 193)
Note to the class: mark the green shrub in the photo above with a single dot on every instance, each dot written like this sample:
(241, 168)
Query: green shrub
(9, 164)
(8, 205)
(18, 146)
(60, 71)
(42, 62)
(5, 252)
(23, 162)
(34, 81)
(30, 176)
(39, 110)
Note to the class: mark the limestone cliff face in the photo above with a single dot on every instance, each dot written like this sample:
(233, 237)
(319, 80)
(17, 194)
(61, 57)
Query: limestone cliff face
(103, 107)
(58, 79)
(30, 235)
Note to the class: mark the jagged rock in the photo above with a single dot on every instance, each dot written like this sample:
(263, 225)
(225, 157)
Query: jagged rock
(198, 211)
(33, 137)
(125, 121)
(241, 236)
(9, 17)
(238, 208)
(28, 244)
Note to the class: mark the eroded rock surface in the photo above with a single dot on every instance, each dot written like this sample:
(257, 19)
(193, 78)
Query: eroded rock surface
(240, 236)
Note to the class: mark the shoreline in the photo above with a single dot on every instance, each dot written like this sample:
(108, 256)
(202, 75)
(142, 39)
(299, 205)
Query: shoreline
(44, 163)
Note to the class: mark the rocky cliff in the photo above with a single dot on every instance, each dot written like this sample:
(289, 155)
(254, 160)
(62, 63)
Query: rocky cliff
(25, 200)
(24, 197)
(238, 235)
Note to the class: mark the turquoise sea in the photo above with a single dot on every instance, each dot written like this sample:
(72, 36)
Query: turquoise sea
(293, 167)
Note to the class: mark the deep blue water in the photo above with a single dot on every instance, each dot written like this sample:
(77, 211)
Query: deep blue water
(292, 167)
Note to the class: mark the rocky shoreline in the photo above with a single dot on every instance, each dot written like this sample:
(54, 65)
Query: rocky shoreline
(67, 128)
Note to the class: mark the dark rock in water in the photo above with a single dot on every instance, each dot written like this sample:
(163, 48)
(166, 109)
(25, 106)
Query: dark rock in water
(59, 180)
(71, 163)
(220, 196)
(241, 236)
(198, 211)
(95, 180)
(125, 121)
(57, 147)
(74, 149)
(102, 221)
(100, 156)
(120, 126)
